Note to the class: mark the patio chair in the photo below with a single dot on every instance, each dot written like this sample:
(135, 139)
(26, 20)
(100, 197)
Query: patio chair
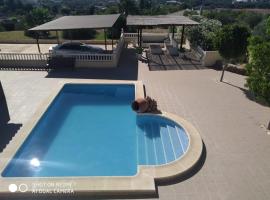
(173, 51)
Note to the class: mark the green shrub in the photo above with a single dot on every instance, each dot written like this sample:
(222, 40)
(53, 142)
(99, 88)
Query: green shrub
(258, 68)
(232, 41)
(1, 28)
(204, 34)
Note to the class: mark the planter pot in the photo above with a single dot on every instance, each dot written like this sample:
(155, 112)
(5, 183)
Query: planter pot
(140, 105)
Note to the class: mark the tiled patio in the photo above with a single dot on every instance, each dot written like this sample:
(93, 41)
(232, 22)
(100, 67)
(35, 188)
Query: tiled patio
(164, 61)
(236, 163)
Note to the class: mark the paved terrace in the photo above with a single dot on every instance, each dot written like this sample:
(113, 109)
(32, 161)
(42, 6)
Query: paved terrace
(235, 165)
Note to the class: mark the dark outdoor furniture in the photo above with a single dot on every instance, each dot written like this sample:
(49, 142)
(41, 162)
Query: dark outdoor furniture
(173, 51)
(155, 49)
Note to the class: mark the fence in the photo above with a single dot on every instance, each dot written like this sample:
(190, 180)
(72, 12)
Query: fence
(147, 38)
(36, 61)
(24, 61)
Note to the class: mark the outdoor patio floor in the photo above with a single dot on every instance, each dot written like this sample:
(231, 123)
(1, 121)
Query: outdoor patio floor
(235, 165)
(164, 61)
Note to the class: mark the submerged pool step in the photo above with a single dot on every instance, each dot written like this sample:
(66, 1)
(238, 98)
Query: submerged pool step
(160, 141)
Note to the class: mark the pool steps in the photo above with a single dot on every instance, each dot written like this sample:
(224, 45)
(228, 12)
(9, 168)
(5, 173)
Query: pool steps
(159, 144)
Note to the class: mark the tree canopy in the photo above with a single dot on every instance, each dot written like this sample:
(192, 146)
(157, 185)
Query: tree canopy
(38, 16)
(205, 33)
(232, 41)
(258, 68)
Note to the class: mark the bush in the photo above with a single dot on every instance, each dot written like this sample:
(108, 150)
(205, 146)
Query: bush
(204, 34)
(82, 34)
(259, 68)
(232, 41)
(31, 34)
(8, 25)
(41, 34)
(1, 28)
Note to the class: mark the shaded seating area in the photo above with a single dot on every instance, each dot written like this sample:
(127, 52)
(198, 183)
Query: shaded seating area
(141, 21)
(173, 56)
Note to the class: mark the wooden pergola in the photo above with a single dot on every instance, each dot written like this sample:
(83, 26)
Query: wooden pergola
(142, 21)
(78, 23)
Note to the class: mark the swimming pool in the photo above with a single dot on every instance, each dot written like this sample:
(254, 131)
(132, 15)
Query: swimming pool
(90, 130)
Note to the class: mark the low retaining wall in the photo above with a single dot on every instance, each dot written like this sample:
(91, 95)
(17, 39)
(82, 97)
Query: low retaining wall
(210, 58)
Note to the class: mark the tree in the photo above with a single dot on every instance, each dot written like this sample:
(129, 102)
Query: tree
(65, 11)
(38, 16)
(128, 7)
(260, 30)
(232, 42)
(258, 68)
(205, 33)
(251, 19)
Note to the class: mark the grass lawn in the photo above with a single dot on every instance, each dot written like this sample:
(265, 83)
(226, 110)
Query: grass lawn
(13, 35)
(99, 35)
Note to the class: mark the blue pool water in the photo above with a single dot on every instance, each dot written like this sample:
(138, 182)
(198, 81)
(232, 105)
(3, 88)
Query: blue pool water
(91, 130)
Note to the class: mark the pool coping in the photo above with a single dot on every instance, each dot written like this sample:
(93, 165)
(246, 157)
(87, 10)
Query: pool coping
(142, 183)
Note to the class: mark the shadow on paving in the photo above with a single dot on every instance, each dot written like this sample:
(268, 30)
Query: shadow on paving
(163, 62)
(127, 70)
(7, 130)
(248, 94)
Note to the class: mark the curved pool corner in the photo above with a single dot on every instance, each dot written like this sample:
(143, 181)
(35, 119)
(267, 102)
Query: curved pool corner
(182, 164)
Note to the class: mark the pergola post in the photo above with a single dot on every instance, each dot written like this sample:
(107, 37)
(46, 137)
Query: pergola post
(182, 37)
(173, 31)
(140, 37)
(37, 39)
(138, 34)
(58, 42)
(105, 38)
(112, 39)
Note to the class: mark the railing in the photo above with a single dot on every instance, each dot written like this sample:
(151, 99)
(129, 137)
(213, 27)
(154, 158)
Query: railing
(23, 61)
(130, 35)
(91, 57)
(23, 56)
(39, 61)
